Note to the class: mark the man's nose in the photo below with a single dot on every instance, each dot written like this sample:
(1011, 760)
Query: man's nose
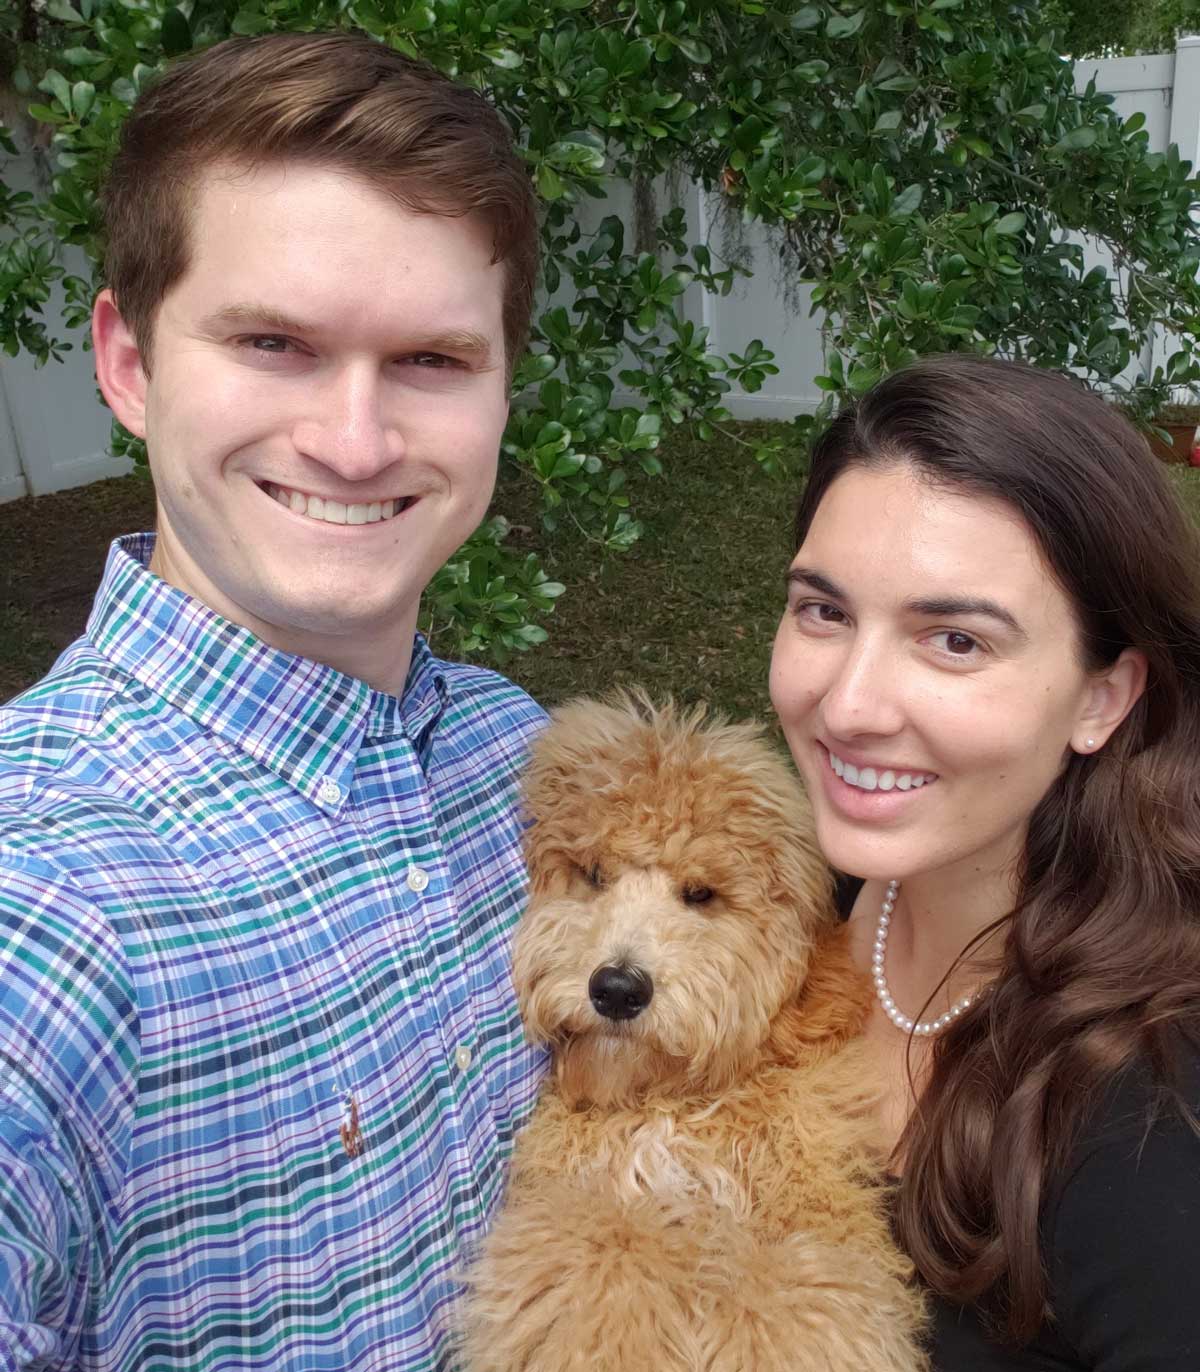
(349, 424)
(865, 695)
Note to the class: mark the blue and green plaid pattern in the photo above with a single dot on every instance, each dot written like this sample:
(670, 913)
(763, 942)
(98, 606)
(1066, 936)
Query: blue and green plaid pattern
(236, 889)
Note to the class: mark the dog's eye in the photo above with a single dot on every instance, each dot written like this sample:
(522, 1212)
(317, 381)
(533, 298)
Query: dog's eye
(591, 874)
(695, 894)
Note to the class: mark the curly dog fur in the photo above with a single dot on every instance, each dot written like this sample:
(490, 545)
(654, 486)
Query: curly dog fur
(697, 1189)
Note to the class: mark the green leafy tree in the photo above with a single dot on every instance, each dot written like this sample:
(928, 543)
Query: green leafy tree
(1113, 28)
(926, 165)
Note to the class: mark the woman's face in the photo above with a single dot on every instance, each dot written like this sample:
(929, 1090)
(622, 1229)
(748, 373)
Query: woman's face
(927, 676)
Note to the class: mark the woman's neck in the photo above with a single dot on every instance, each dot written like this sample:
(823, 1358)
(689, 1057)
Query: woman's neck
(936, 918)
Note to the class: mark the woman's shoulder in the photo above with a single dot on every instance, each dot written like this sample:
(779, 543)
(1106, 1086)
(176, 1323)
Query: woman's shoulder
(1123, 1222)
(1143, 1103)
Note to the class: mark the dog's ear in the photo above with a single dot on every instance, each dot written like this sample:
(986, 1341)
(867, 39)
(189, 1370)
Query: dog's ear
(831, 1009)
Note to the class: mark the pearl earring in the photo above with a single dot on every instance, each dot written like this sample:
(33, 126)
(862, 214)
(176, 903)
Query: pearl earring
(1091, 743)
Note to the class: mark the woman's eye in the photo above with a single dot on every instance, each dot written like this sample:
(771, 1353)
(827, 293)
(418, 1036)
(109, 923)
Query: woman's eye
(820, 612)
(956, 643)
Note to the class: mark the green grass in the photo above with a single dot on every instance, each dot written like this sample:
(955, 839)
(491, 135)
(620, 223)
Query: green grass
(1186, 481)
(25, 652)
(689, 611)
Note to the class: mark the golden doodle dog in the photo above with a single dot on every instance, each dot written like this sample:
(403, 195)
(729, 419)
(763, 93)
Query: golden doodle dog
(696, 1189)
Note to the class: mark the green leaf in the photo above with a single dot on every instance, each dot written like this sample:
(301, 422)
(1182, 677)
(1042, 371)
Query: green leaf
(550, 185)
(83, 97)
(903, 84)
(806, 17)
(638, 57)
(44, 114)
(845, 25)
(246, 23)
(57, 85)
(64, 12)
(82, 57)
(1077, 139)
(907, 202)
(888, 122)
(420, 18)
(1010, 224)
(176, 32)
(862, 378)
(507, 58)
(695, 50)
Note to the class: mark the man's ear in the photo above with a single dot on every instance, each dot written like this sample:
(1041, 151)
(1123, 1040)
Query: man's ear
(1111, 695)
(119, 368)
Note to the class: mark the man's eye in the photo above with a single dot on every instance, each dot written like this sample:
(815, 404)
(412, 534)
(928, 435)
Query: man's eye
(436, 360)
(269, 343)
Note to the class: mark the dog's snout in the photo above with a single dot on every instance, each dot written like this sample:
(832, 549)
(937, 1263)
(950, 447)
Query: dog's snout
(620, 992)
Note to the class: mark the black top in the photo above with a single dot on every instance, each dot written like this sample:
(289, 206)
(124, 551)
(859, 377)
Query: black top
(1121, 1242)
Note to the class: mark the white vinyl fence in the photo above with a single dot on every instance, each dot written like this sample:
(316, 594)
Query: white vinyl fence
(54, 431)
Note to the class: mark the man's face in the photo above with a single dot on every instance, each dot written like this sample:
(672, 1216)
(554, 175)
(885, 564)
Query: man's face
(324, 410)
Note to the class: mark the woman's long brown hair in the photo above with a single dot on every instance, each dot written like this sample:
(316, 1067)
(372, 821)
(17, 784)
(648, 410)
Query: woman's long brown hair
(1101, 961)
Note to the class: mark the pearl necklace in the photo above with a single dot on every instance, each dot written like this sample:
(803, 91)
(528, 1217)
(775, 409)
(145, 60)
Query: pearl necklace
(919, 1028)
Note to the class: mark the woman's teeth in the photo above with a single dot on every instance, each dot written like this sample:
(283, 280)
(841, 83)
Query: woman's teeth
(335, 511)
(868, 779)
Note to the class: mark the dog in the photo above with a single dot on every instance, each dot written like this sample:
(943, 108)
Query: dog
(697, 1190)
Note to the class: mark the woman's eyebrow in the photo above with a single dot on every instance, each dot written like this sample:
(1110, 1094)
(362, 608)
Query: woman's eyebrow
(949, 605)
(953, 606)
(815, 581)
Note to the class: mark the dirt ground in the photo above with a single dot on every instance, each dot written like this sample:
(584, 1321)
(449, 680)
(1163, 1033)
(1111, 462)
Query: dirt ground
(52, 551)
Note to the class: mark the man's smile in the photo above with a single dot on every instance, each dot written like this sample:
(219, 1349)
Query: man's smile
(330, 511)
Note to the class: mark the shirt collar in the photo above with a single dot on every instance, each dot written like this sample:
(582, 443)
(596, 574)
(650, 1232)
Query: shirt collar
(302, 720)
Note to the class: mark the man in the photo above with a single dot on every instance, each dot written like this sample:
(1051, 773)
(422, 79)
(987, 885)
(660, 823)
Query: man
(259, 855)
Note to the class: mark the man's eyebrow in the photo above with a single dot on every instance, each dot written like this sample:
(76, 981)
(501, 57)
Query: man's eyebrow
(262, 316)
(950, 606)
(248, 314)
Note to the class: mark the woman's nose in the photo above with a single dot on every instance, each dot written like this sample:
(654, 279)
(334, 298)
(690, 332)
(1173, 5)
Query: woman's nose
(864, 695)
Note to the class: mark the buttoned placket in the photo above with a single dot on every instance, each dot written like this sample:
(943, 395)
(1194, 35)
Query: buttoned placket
(439, 990)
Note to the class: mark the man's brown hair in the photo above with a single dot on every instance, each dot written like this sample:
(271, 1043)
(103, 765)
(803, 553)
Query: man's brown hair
(337, 100)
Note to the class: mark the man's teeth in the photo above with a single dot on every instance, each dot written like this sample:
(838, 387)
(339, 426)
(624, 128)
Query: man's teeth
(335, 511)
(868, 779)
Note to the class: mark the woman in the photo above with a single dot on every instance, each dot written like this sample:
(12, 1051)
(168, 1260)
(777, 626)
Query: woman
(989, 676)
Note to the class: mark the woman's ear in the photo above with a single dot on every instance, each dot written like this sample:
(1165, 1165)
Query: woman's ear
(119, 367)
(1110, 696)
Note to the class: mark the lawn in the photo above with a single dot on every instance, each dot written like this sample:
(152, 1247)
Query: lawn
(690, 610)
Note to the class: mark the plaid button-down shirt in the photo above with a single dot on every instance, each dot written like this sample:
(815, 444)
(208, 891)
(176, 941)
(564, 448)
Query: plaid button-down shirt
(260, 1063)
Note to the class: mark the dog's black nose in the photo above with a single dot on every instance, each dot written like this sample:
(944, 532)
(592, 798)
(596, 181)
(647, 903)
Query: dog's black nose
(620, 992)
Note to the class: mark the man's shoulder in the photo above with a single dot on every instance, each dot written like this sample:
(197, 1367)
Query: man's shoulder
(482, 701)
(40, 727)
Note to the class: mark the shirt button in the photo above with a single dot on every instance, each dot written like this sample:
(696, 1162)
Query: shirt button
(462, 1056)
(329, 791)
(417, 879)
